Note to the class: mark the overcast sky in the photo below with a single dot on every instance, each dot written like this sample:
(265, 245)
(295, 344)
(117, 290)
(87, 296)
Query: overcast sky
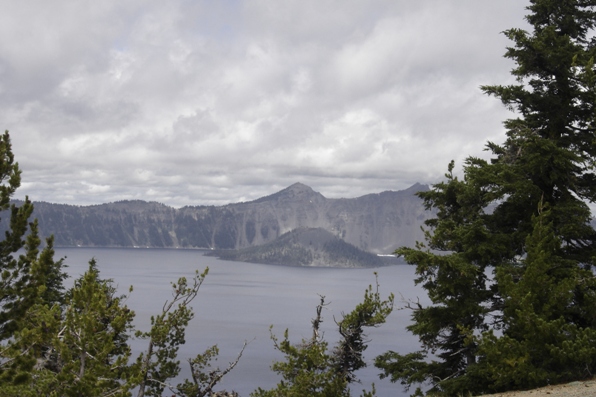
(212, 102)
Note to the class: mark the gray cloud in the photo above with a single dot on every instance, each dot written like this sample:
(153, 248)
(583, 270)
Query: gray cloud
(213, 102)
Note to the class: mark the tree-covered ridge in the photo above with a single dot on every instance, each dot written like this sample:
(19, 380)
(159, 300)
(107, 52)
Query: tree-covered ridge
(509, 260)
(304, 247)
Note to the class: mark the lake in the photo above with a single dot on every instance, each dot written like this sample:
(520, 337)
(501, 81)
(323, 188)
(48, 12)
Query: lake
(239, 301)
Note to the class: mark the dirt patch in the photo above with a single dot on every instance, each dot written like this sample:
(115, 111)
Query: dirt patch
(573, 389)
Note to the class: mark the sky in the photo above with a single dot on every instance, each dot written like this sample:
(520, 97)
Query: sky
(192, 102)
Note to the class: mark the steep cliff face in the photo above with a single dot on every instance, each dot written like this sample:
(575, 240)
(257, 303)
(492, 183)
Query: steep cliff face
(381, 222)
(377, 223)
(126, 224)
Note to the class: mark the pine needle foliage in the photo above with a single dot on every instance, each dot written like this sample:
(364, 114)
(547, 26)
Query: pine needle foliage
(312, 368)
(508, 262)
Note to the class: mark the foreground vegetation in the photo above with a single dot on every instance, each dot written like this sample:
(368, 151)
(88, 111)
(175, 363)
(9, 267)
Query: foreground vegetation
(509, 260)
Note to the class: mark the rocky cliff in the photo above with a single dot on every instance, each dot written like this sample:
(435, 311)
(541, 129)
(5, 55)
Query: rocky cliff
(376, 223)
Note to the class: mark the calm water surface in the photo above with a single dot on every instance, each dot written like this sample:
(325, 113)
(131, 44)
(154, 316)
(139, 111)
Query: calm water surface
(239, 301)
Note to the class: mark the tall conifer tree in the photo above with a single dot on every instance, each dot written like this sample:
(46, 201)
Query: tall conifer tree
(485, 222)
(28, 275)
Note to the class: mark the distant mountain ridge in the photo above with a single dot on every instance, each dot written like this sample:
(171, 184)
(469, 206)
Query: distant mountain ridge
(376, 223)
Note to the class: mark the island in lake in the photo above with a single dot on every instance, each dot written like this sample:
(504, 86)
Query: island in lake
(304, 247)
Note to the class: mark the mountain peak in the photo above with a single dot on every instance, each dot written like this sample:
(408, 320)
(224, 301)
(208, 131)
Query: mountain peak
(417, 187)
(297, 191)
(299, 188)
(300, 191)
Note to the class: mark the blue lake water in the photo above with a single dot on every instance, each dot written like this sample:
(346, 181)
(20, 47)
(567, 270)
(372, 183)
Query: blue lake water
(239, 301)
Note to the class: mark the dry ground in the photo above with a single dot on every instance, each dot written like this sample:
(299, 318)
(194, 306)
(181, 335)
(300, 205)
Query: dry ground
(573, 389)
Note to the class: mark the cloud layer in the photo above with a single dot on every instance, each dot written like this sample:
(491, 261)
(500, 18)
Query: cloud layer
(201, 102)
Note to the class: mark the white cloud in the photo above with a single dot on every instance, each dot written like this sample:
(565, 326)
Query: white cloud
(212, 102)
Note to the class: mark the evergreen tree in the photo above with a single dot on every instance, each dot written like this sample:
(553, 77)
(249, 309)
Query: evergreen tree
(485, 222)
(168, 331)
(16, 284)
(27, 278)
(312, 369)
(80, 349)
(457, 284)
(542, 343)
(551, 147)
